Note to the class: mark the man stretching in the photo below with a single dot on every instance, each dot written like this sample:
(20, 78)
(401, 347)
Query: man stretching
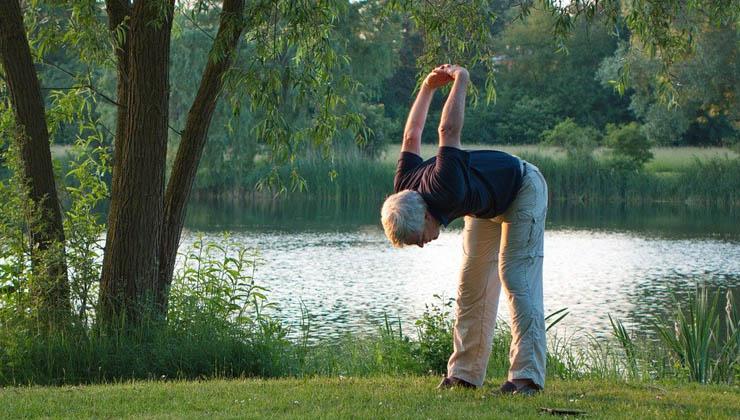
(504, 202)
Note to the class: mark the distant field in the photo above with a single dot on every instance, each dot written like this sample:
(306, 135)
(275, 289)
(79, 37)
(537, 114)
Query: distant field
(667, 159)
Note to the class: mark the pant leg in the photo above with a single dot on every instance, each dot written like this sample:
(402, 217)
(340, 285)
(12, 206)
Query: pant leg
(477, 301)
(520, 269)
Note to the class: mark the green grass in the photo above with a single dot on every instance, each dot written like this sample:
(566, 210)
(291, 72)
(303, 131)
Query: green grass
(378, 397)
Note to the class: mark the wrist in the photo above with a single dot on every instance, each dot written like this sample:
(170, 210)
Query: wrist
(462, 75)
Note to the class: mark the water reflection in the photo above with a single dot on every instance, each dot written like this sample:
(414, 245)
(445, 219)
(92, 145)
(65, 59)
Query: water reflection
(334, 259)
(669, 220)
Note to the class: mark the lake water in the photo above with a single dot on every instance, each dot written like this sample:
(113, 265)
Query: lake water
(334, 259)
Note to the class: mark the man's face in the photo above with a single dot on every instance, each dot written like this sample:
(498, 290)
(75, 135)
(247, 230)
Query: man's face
(430, 232)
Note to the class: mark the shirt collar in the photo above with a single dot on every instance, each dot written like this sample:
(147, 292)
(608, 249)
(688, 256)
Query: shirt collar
(441, 218)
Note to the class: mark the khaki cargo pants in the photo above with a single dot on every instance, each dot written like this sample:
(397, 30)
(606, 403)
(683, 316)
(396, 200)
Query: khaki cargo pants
(508, 251)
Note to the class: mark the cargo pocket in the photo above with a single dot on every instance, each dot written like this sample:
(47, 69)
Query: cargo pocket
(518, 235)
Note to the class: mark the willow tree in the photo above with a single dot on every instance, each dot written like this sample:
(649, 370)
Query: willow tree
(146, 216)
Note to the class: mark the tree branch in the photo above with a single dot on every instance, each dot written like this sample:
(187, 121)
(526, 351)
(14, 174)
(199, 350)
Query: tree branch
(93, 90)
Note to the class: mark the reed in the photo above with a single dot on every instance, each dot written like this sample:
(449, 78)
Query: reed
(710, 181)
(697, 342)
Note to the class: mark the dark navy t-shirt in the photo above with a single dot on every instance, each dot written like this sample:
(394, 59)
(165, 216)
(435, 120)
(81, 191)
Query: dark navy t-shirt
(455, 183)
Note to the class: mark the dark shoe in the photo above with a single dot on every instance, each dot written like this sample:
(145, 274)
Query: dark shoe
(528, 390)
(452, 382)
(507, 388)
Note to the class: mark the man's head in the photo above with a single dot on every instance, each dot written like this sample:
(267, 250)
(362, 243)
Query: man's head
(407, 221)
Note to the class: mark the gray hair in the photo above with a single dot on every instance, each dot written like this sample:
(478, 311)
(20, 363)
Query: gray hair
(403, 214)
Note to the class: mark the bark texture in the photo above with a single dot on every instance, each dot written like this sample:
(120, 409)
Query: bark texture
(131, 259)
(50, 288)
(193, 140)
(119, 11)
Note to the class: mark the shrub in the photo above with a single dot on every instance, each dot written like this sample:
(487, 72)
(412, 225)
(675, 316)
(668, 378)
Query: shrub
(630, 147)
(525, 120)
(578, 142)
(435, 335)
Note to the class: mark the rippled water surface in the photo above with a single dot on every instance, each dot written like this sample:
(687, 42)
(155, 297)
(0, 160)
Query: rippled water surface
(625, 262)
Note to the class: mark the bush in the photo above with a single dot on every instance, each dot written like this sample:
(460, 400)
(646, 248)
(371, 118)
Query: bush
(435, 335)
(525, 120)
(578, 142)
(630, 146)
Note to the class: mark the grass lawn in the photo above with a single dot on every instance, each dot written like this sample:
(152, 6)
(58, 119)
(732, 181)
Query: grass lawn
(385, 397)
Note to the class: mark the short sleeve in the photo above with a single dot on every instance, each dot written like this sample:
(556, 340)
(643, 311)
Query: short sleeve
(450, 174)
(407, 162)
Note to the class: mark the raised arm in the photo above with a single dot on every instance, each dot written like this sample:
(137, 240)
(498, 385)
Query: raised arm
(418, 114)
(453, 113)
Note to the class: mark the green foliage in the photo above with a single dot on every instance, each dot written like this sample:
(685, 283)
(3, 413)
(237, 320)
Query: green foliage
(707, 182)
(697, 103)
(578, 142)
(217, 325)
(628, 346)
(434, 330)
(217, 280)
(697, 342)
(524, 121)
(87, 190)
(559, 72)
(377, 138)
(15, 253)
(347, 178)
(630, 147)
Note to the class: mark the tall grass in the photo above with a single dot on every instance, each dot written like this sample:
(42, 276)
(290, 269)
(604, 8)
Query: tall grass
(709, 181)
(356, 179)
(697, 341)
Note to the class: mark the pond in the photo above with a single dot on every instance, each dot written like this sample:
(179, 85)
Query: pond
(332, 258)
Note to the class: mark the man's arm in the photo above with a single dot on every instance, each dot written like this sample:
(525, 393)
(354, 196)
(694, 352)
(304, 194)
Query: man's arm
(418, 114)
(453, 113)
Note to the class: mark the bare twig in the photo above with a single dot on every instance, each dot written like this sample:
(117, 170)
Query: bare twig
(182, 12)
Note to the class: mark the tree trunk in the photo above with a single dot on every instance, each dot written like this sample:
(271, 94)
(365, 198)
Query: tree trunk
(50, 288)
(118, 11)
(193, 141)
(131, 260)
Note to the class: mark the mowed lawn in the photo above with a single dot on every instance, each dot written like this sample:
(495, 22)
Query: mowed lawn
(383, 397)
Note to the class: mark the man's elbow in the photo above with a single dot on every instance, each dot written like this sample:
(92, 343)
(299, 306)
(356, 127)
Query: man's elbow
(412, 136)
(448, 130)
